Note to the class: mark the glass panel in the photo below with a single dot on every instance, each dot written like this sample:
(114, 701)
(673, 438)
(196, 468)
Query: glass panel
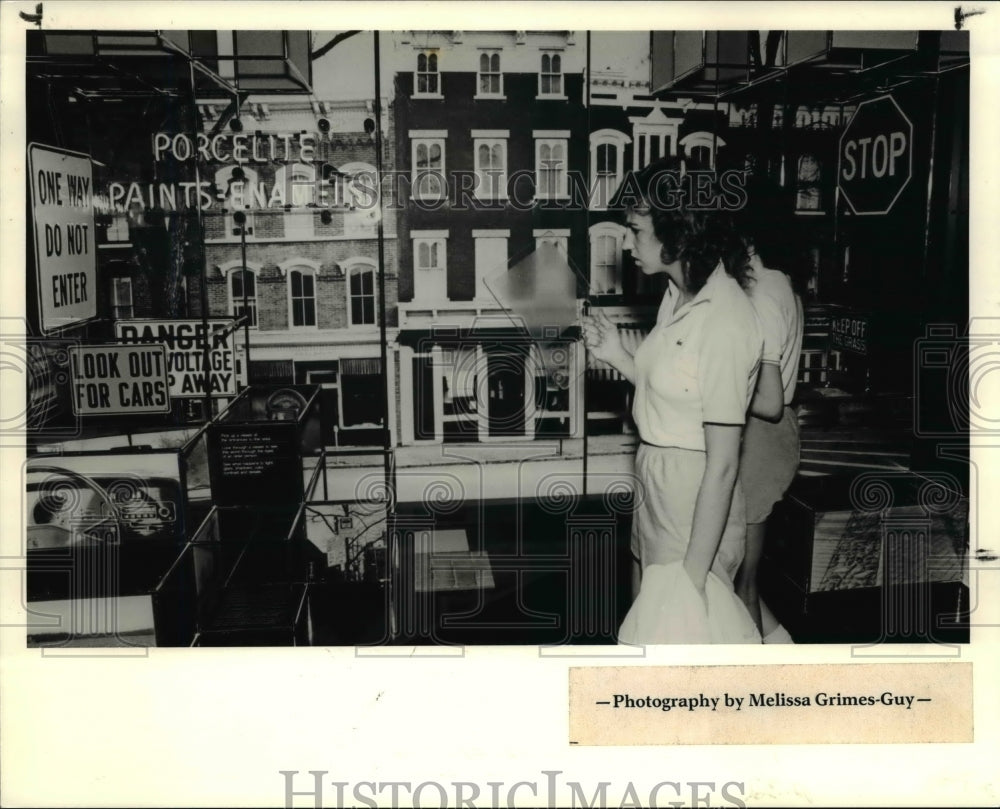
(260, 43)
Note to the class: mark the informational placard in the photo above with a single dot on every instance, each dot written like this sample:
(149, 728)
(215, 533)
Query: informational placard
(112, 379)
(255, 464)
(186, 342)
(62, 208)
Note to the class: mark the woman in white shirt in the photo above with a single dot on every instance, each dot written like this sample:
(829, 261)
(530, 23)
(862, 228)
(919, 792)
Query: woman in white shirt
(694, 376)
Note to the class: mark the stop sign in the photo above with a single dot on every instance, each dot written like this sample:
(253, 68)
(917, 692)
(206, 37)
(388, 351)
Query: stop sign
(876, 156)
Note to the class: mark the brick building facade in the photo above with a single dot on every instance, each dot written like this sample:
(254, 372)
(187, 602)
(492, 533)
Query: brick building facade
(310, 283)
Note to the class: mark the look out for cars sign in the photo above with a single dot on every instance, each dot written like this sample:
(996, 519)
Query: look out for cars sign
(62, 204)
(111, 379)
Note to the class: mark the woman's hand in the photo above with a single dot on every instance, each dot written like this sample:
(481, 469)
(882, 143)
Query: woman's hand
(602, 338)
(605, 343)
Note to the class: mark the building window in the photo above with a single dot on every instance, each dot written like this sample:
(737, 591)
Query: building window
(298, 184)
(550, 167)
(701, 147)
(655, 137)
(490, 78)
(607, 165)
(428, 78)
(430, 263)
(243, 294)
(491, 165)
(491, 257)
(361, 294)
(121, 299)
(241, 189)
(557, 238)
(550, 78)
(428, 155)
(808, 195)
(117, 227)
(302, 298)
(606, 258)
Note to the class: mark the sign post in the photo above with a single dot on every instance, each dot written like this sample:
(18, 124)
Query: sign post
(62, 207)
(876, 156)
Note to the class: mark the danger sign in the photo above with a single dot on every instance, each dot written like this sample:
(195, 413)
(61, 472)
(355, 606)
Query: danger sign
(186, 342)
(876, 156)
(62, 205)
(109, 380)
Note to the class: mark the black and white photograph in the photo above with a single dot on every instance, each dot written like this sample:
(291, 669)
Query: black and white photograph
(335, 342)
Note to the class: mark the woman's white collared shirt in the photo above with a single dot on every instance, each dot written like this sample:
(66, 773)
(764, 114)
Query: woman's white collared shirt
(698, 365)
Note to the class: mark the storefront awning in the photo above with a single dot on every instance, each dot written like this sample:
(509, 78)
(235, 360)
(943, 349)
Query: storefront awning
(361, 366)
(448, 336)
(271, 371)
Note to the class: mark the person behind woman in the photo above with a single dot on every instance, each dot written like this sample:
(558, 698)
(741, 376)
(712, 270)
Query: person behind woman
(694, 375)
(769, 456)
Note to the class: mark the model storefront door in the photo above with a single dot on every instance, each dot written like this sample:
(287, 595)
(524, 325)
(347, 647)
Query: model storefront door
(329, 400)
(505, 388)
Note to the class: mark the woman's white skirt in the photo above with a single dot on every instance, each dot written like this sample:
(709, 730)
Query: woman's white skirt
(670, 610)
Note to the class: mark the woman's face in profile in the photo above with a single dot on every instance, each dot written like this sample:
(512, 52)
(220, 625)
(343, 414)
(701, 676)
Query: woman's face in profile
(641, 242)
(645, 247)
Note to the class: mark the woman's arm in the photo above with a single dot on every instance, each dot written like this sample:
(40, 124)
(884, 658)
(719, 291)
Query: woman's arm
(711, 510)
(768, 401)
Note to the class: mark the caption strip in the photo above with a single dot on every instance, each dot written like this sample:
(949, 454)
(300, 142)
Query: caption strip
(794, 704)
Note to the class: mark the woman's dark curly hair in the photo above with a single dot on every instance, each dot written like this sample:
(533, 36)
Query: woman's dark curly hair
(698, 236)
(766, 230)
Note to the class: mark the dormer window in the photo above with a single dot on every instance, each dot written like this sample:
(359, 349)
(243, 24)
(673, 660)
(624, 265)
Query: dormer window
(428, 79)
(490, 84)
(550, 77)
